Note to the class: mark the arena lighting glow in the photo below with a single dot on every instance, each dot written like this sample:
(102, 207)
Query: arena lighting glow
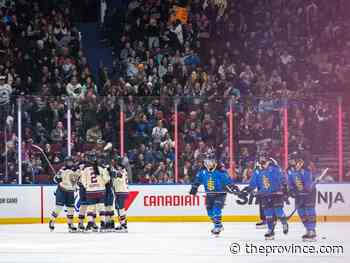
(231, 149)
(285, 133)
(121, 132)
(69, 127)
(19, 117)
(176, 143)
(340, 139)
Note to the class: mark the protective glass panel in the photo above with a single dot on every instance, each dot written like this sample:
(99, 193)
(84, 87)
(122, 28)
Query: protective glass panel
(95, 126)
(312, 126)
(8, 140)
(203, 133)
(44, 137)
(258, 131)
(346, 140)
(149, 139)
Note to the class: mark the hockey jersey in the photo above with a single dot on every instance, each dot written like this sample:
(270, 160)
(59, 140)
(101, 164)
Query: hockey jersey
(269, 180)
(215, 181)
(300, 181)
(67, 179)
(93, 182)
(120, 181)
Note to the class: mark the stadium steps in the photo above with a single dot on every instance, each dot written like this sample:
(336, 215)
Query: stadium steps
(93, 48)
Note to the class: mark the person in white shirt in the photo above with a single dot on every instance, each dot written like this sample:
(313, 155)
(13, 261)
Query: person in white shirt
(5, 91)
(159, 132)
(74, 89)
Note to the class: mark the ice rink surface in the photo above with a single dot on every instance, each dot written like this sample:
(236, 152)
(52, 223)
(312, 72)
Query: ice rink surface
(160, 242)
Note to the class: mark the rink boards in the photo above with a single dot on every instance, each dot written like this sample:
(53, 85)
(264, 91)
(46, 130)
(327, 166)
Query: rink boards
(164, 203)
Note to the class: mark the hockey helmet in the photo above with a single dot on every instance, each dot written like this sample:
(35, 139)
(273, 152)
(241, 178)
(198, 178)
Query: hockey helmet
(91, 157)
(69, 162)
(299, 163)
(210, 164)
(262, 159)
(292, 159)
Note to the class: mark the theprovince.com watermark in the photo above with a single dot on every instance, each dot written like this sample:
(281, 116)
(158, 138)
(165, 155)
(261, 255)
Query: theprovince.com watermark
(251, 248)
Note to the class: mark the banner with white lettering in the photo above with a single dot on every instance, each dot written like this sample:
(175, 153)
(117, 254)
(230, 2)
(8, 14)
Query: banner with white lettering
(22, 202)
(164, 200)
(331, 199)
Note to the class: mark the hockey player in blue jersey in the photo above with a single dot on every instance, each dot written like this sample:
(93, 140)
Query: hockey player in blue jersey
(272, 189)
(262, 224)
(302, 188)
(216, 184)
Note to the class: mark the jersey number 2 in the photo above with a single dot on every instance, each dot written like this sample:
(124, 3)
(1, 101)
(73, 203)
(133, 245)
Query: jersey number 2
(93, 179)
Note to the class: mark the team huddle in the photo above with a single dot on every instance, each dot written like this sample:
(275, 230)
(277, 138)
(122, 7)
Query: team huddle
(272, 189)
(99, 188)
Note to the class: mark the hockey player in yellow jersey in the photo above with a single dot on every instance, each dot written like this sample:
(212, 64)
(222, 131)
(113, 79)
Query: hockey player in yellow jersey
(93, 180)
(66, 179)
(108, 223)
(82, 198)
(120, 187)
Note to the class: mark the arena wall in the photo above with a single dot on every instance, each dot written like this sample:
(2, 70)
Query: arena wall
(163, 203)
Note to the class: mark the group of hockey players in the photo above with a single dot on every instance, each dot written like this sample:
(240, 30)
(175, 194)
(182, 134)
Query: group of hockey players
(271, 187)
(99, 185)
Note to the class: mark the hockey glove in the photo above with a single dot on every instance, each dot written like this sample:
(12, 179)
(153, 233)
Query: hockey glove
(233, 189)
(194, 189)
(285, 192)
(292, 193)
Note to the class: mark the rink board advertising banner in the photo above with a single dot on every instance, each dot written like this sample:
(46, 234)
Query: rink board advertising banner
(164, 203)
(20, 202)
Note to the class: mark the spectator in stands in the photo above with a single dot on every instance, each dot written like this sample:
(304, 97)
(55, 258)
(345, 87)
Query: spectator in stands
(59, 133)
(94, 134)
(255, 54)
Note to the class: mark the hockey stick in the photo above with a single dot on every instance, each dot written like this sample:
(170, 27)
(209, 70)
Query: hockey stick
(45, 156)
(204, 192)
(323, 174)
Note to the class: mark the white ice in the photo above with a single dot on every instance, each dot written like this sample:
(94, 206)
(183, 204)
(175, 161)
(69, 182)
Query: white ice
(157, 242)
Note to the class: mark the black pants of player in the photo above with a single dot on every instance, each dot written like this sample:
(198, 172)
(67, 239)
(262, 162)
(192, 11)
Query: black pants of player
(261, 211)
(305, 204)
(64, 197)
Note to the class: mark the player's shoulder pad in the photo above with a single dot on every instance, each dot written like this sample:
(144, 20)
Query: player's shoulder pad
(306, 171)
(276, 168)
(201, 172)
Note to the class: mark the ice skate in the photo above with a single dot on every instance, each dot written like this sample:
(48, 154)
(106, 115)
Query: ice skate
(217, 230)
(51, 225)
(285, 228)
(111, 226)
(310, 236)
(270, 235)
(94, 227)
(123, 228)
(81, 227)
(72, 228)
(103, 226)
(261, 225)
(89, 226)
